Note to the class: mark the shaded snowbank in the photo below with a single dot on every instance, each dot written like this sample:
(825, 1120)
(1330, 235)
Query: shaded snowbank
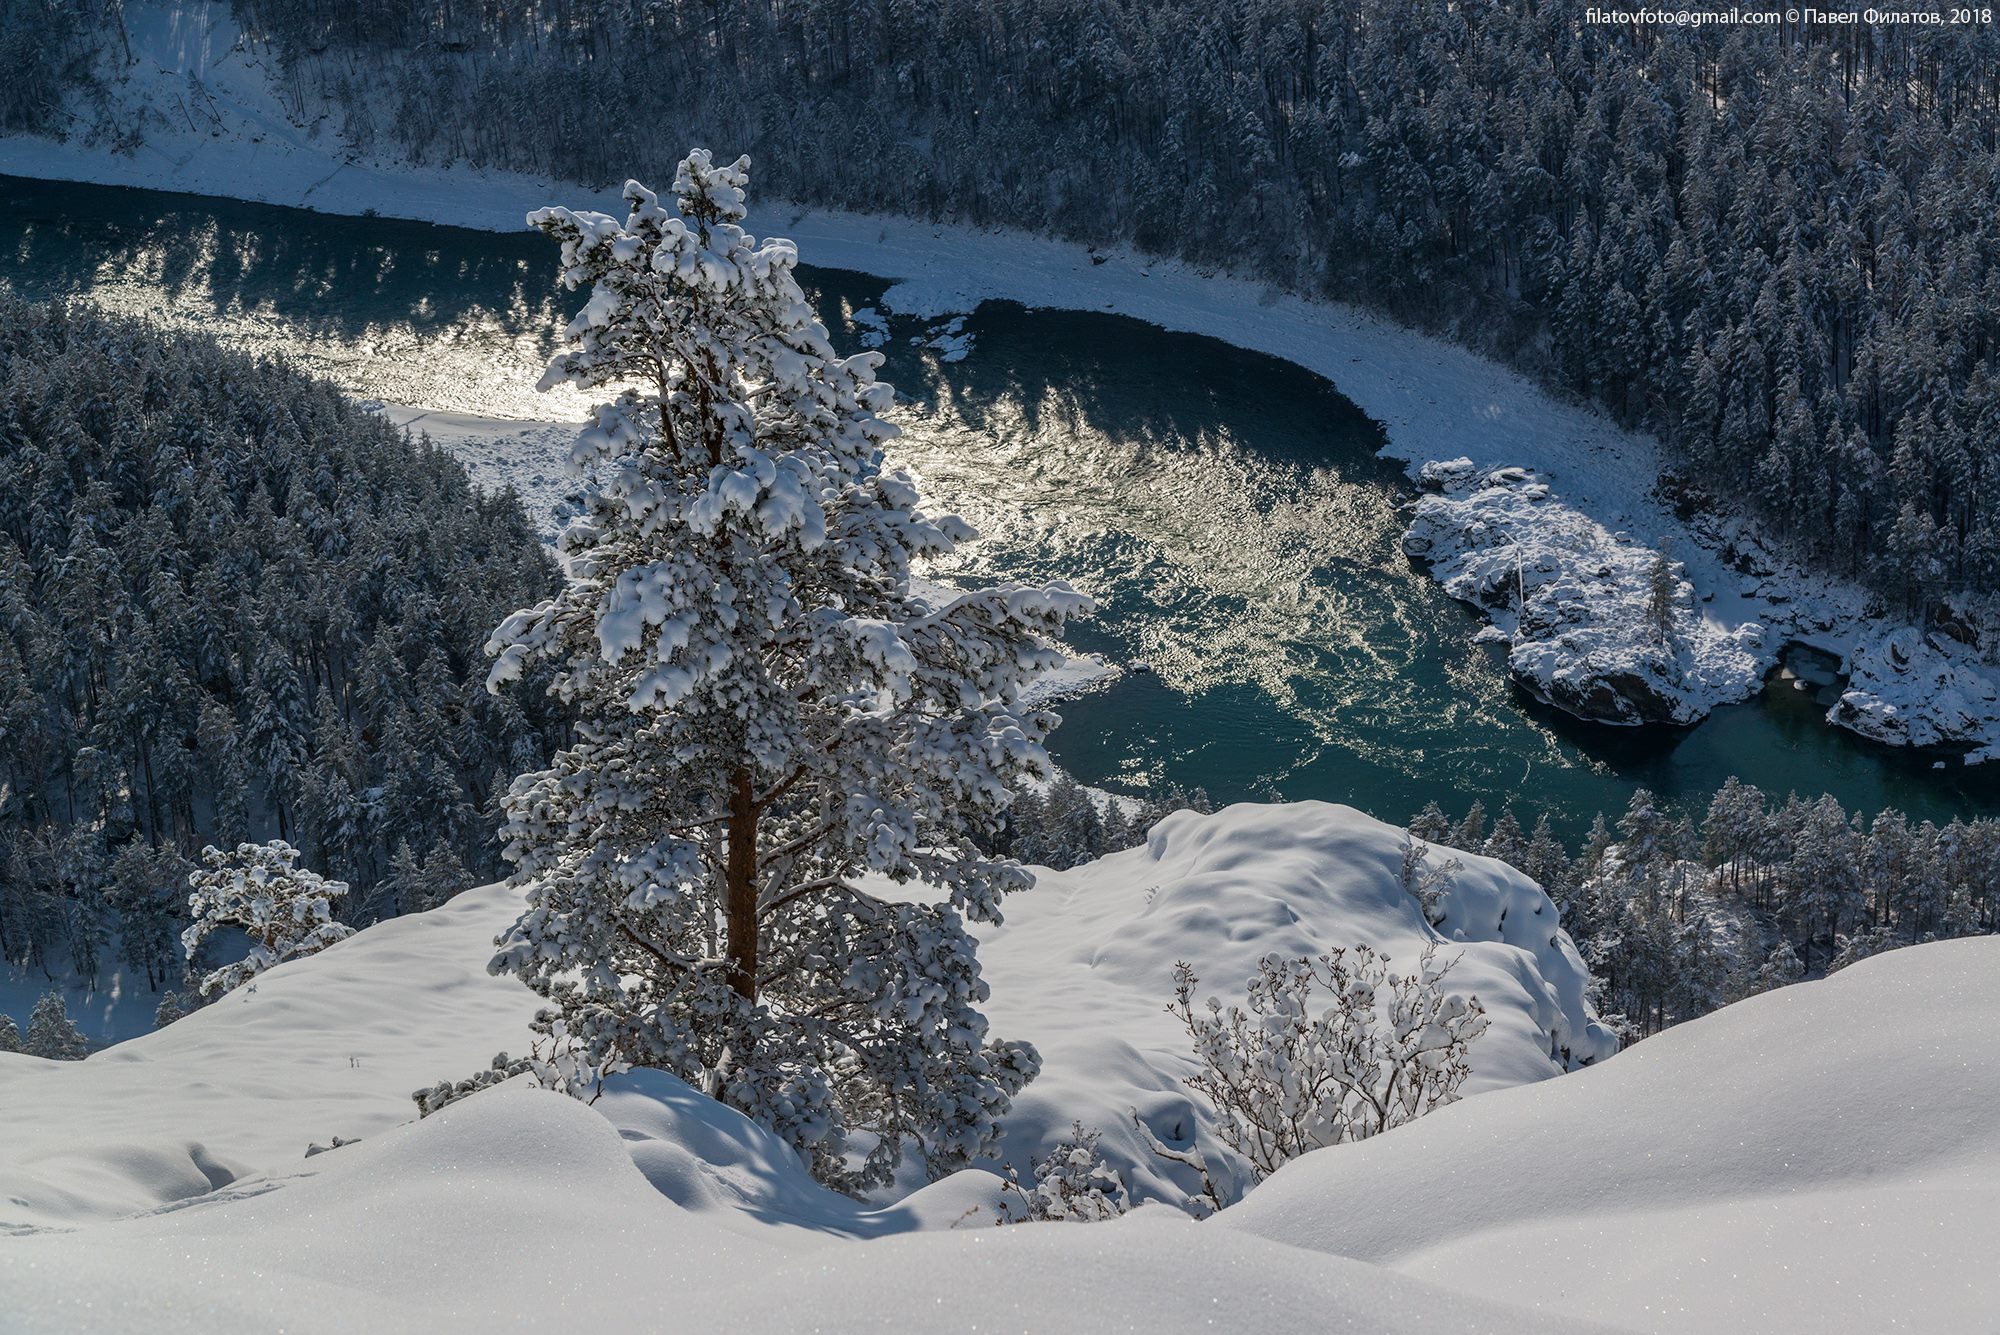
(1816, 1158)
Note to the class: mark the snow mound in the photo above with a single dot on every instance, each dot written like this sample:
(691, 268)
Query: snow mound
(1573, 598)
(519, 1209)
(1816, 1158)
(1083, 966)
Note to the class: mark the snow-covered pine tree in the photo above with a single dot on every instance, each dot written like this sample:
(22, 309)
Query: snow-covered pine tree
(52, 1034)
(1431, 825)
(766, 716)
(10, 1034)
(286, 910)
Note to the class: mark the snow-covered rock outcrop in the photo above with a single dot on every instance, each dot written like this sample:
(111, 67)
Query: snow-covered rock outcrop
(1575, 601)
(1908, 688)
(1083, 966)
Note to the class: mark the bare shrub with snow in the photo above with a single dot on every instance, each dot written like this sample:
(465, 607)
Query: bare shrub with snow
(1071, 1184)
(286, 910)
(1427, 884)
(1386, 1049)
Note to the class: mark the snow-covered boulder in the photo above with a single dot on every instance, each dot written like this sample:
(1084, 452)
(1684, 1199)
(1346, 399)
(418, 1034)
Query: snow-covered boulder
(1907, 688)
(1083, 967)
(1575, 600)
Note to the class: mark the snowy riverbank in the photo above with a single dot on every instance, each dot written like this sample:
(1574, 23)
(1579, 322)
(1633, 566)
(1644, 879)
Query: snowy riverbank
(233, 137)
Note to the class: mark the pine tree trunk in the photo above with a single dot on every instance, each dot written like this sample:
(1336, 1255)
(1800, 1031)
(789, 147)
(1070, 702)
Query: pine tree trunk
(741, 885)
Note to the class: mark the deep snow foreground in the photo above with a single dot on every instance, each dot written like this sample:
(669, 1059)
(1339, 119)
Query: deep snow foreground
(1818, 1158)
(332, 1045)
(210, 119)
(520, 1209)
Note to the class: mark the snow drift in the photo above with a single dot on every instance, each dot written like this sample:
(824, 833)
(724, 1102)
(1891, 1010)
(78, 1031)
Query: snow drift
(1817, 1158)
(518, 1209)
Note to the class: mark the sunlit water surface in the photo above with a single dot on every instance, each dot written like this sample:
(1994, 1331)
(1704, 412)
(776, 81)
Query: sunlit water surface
(1226, 508)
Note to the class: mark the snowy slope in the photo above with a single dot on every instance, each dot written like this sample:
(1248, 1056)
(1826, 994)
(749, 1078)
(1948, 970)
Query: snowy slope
(1818, 1158)
(322, 1047)
(332, 1045)
(1083, 965)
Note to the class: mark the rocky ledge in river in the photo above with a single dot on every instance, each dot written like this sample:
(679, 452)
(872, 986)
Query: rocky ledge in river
(1597, 624)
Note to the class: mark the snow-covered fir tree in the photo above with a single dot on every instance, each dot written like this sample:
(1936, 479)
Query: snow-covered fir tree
(286, 910)
(10, 1034)
(765, 716)
(169, 1010)
(52, 1034)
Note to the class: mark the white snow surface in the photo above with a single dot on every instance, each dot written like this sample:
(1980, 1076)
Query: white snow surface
(192, 1140)
(1820, 1158)
(229, 133)
(520, 1209)
(1573, 598)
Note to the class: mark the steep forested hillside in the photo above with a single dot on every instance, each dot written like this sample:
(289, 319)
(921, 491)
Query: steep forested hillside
(1777, 247)
(233, 605)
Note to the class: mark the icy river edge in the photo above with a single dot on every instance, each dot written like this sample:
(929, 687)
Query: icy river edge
(1551, 491)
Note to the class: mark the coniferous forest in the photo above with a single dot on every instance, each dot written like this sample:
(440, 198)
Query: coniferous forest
(1780, 254)
(239, 608)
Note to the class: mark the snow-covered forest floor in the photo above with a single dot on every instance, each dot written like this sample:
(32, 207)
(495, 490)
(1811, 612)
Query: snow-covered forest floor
(1758, 1169)
(210, 116)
